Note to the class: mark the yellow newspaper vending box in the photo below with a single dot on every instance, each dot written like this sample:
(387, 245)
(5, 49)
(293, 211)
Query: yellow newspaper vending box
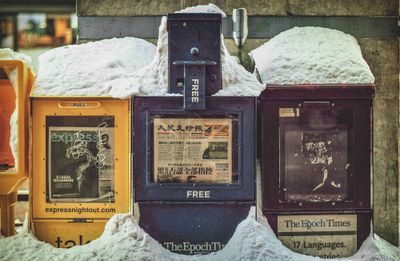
(15, 85)
(80, 167)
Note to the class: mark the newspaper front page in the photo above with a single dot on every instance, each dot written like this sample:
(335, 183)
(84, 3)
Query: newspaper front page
(192, 150)
(81, 163)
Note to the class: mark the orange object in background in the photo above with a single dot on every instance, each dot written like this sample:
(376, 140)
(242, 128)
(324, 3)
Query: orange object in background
(7, 107)
(12, 178)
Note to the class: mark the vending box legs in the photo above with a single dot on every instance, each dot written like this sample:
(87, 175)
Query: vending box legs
(316, 166)
(7, 207)
(80, 168)
(195, 170)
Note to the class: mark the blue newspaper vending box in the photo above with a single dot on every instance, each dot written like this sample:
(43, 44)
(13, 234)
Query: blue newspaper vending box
(194, 155)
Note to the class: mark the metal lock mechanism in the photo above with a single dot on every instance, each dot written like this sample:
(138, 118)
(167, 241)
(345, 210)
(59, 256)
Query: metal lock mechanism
(194, 56)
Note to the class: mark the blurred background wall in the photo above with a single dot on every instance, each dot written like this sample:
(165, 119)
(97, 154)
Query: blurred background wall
(35, 26)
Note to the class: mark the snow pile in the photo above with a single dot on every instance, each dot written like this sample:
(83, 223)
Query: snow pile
(110, 67)
(253, 240)
(123, 239)
(376, 248)
(8, 54)
(304, 55)
(82, 70)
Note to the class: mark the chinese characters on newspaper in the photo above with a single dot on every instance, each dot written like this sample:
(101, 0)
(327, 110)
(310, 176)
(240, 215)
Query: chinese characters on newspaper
(194, 150)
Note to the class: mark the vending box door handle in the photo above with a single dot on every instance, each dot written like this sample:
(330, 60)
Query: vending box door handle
(309, 105)
(79, 104)
(81, 220)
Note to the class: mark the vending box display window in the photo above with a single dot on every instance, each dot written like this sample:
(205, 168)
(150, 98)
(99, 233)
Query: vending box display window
(8, 106)
(187, 150)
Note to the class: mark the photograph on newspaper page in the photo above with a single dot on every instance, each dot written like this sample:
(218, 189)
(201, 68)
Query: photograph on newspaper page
(80, 166)
(314, 152)
(192, 150)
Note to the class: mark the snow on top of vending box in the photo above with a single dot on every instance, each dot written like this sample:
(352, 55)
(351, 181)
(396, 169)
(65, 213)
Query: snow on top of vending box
(82, 70)
(311, 55)
(8, 54)
(122, 68)
(123, 239)
(210, 8)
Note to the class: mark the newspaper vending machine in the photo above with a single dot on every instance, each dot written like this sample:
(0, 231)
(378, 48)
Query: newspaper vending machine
(80, 166)
(316, 166)
(194, 154)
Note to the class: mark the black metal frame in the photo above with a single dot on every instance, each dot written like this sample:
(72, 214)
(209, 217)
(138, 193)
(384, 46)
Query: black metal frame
(356, 98)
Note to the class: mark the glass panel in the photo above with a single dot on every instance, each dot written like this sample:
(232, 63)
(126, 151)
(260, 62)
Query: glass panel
(194, 150)
(8, 125)
(314, 154)
(80, 158)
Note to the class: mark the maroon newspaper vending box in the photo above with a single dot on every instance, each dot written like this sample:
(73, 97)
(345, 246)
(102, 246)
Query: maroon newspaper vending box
(316, 166)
